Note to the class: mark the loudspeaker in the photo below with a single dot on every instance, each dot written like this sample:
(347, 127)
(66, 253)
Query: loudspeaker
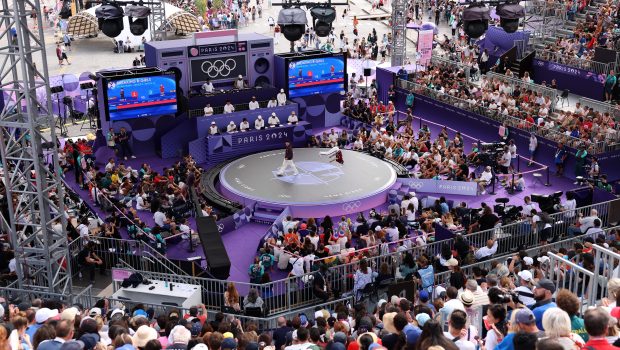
(56, 89)
(174, 60)
(213, 247)
(260, 68)
(367, 72)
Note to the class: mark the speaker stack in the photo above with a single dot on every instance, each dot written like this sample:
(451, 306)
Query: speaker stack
(260, 72)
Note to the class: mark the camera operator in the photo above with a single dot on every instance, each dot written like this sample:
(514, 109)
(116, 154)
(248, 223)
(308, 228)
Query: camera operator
(487, 220)
(504, 164)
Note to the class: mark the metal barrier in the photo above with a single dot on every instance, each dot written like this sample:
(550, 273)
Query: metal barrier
(569, 275)
(577, 62)
(606, 263)
(84, 297)
(515, 82)
(551, 134)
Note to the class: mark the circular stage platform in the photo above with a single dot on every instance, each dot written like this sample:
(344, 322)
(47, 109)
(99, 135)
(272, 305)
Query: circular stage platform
(321, 187)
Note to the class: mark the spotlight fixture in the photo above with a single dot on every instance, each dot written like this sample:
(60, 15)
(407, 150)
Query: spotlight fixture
(322, 18)
(509, 15)
(138, 18)
(110, 17)
(476, 20)
(293, 22)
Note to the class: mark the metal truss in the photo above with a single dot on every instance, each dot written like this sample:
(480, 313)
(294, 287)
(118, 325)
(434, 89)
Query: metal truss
(399, 28)
(33, 192)
(544, 18)
(157, 20)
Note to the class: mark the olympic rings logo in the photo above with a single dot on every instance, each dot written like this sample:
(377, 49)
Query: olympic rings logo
(220, 228)
(218, 68)
(351, 206)
(416, 185)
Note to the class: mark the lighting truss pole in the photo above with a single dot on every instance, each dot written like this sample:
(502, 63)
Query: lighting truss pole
(157, 20)
(399, 37)
(40, 252)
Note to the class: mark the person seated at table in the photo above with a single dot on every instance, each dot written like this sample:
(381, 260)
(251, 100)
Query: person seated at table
(207, 87)
(253, 104)
(240, 83)
(208, 110)
(292, 119)
(281, 98)
(272, 103)
(228, 107)
(259, 123)
(518, 184)
(232, 127)
(213, 130)
(245, 125)
(273, 120)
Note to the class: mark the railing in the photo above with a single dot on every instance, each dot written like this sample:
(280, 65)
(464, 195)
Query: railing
(515, 82)
(612, 141)
(577, 62)
(605, 262)
(238, 107)
(551, 134)
(84, 297)
(569, 275)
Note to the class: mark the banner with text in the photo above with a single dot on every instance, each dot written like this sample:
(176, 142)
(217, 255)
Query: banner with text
(425, 46)
(441, 186)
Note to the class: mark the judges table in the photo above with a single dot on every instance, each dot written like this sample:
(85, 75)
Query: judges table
(214, 149)
(218, 98)
(182, 295)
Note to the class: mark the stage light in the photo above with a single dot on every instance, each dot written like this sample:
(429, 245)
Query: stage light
(476, 20)
(138, 18)
(509, 15)
(293, 22)
(322, 18)
(110, 17)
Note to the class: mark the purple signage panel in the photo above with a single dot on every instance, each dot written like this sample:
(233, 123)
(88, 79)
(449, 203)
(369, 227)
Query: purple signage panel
(578, 81)
(217, 49)
(441, 186)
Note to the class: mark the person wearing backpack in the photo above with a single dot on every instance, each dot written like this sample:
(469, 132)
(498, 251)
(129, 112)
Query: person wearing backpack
(267, 259)
(256, 271)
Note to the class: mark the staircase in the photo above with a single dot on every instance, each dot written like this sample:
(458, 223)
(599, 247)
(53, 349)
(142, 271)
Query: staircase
(266, 213)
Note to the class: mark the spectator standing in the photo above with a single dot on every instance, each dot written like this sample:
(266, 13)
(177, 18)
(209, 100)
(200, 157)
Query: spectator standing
(543, 294)
(597, 323)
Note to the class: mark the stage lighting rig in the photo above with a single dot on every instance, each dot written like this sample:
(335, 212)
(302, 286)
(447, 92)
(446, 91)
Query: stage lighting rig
(292, 22)
(138, 18)
(476, 16)
(322, 19)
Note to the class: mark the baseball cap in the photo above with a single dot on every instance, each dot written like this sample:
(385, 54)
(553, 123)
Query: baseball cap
(452, 262)
(546, 284)
(228, 343)
(72, 345)
(467, 298)
(140, 313)
(94, 312)
(525, 316)
(528, 261)
(422, 319)
(424, 296)
(228, 335)
(23, 306)
(381, 302)
(340, 337)
(304, 320)
(69, 313)
(117, 312)
(525, 275)
(45, 314)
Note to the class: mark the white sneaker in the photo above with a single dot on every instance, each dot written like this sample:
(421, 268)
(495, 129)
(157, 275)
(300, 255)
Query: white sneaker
(483, 192)
(133, 157)
(125, 158)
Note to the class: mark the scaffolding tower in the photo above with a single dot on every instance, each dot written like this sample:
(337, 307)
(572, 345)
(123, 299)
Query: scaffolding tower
(544, 19)
(399, 28)
(33, 193)
(157, 20)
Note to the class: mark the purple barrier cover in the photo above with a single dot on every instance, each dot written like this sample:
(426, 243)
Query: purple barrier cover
(578, 81)
(441, 186)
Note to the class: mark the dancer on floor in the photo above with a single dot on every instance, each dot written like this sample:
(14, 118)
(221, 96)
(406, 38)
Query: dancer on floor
(288, 160)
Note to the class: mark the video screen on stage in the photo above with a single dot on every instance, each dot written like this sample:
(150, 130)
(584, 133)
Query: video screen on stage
(144, 96)
(218, 68)
(309, 76)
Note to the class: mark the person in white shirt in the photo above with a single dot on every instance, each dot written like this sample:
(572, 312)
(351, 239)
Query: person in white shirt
(239, 83)
(292, 119)
(213, 130)
(584, 223)
(259, 123)
(83, 230)
(207, 87)
(486, 251)
(141, 203)
(533, 145)
(245, 125)
(273, 120)
(524, 290)
(569, 206)
(281, 98)
(484, 179)
(253, 104)
(457, 322)
(228, 107)
(333, 138)
(208, 110)
(110, 165)
(232, 127)
(272, 103)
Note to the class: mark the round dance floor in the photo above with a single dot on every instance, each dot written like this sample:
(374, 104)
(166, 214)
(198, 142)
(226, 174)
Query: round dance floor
(322, 187)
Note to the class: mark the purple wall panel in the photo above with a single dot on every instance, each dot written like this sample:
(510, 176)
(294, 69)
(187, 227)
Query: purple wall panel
(578, 81)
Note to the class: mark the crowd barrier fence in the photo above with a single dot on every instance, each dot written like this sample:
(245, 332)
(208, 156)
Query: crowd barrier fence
(515, 82)
(577, 62)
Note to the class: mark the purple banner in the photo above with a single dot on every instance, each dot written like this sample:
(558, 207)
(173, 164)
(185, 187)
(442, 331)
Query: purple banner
(441, 186)
(578, 81)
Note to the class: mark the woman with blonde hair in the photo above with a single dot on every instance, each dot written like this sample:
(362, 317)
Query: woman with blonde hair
(231, 297)
(4, 336)
(557, 325)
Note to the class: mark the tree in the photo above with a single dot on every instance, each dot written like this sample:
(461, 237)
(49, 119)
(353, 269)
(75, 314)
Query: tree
(217, 4)
(201, 6)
